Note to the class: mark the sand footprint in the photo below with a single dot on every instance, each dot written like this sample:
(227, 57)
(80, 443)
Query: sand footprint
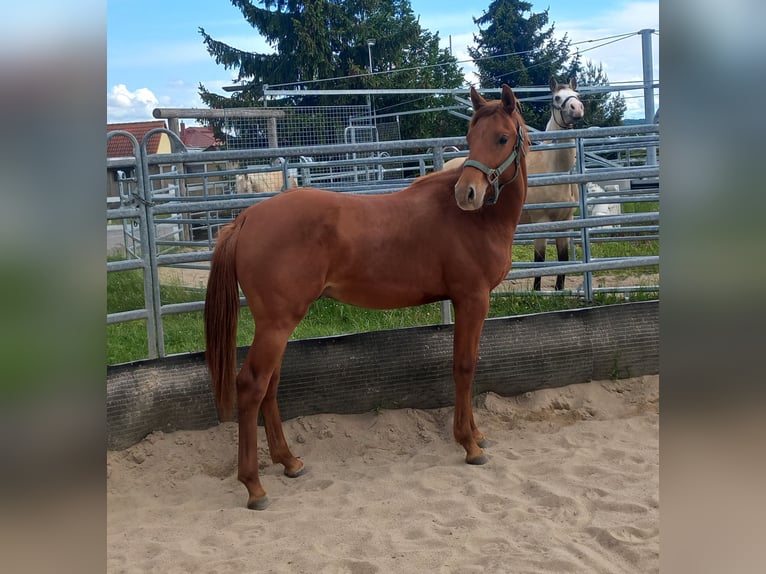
(491, 503)
(417, 533)
(317, 485)
(617, 506)
(595, 493)
(626, 541)
(494, 546)
(546, 503)
(633, 535)
(350, 567)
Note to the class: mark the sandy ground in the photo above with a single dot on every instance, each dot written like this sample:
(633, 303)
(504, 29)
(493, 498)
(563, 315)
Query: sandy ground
(572, 485)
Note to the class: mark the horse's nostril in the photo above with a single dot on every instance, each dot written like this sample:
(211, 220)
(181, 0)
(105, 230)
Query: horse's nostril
(471, 194)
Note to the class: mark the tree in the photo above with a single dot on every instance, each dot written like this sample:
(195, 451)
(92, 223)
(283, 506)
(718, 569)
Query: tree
(324, 44)
(514, 47)
(517, 47)
(425, 66)
(601, 109)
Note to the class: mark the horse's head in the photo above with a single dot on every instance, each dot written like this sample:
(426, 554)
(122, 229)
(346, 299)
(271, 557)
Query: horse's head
(497, 137)
(566, 107)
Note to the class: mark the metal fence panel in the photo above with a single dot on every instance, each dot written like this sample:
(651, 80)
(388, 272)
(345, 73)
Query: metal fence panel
(173, 205)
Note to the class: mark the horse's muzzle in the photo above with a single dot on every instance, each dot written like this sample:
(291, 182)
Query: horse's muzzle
(468, 196)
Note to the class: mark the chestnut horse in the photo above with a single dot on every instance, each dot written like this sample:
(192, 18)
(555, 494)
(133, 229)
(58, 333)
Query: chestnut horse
(446, 236)
(566, 111)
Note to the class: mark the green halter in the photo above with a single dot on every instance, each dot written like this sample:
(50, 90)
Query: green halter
(493, 175)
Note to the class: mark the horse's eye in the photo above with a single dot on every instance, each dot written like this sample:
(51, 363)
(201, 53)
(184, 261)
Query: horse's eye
(557, 98)
(503, 140)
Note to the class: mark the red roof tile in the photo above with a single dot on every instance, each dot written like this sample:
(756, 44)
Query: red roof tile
(199, 137)
(120, 146)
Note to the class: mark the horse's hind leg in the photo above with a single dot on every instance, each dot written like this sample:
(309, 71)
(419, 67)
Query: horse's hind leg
(540, 246)
(562, 249)
(253, 380)
(252, 383)
(280, 452)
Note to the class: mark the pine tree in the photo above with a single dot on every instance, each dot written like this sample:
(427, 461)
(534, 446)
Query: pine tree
(601, 109)
(317, 40)
(517, 47)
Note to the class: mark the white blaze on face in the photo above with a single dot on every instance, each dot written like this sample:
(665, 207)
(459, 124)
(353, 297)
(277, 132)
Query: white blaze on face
(568, 101)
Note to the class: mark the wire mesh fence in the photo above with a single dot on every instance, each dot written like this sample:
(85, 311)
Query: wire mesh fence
(296, 126)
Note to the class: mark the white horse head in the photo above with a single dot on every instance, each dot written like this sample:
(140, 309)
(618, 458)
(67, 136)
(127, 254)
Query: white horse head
(566, 107)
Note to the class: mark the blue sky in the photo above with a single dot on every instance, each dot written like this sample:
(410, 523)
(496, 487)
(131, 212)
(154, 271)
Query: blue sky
(156, 58)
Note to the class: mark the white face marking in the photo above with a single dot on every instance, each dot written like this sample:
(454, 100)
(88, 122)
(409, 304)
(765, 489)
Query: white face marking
(568, 103)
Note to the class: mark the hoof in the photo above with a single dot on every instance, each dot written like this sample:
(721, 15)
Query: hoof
(483, 443)
(481, 459)
(301, 471)
(259, 504)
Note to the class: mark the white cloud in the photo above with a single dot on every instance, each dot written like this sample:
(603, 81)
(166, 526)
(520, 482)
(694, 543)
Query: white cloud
(621, 59)
(122, 105)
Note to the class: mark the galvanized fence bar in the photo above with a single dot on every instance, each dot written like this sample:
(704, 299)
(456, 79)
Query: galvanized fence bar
(143, 213)
(123, 316)
(590, 266)
(372, 160)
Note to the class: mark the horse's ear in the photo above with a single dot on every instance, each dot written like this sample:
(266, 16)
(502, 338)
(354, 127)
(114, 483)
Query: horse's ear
(509, 100)
(476, 99)
(573, 84)
(553, 83)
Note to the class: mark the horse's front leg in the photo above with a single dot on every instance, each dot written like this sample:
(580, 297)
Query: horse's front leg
(562, 251)
(469, 321)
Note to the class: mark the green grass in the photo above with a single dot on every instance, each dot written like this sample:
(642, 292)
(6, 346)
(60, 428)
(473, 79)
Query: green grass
(629, 248)
(634, 248)
(184, 332)
(128, 341)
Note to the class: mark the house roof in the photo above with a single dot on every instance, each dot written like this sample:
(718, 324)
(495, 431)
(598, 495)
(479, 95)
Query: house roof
(198, 137)
(120, 146)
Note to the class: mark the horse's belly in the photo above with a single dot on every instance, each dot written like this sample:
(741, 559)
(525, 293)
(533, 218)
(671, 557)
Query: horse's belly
(376, 296)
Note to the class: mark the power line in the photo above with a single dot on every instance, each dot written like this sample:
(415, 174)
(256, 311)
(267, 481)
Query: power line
(606, 39)
(611, 40)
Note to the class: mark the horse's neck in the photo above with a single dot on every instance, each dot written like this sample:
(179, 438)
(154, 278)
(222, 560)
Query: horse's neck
(560, 159)
(502, 217)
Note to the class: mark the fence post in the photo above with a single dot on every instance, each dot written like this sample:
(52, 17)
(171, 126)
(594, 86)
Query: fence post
(149, 255)
(587, 277)
(648, 72)
(446, 309)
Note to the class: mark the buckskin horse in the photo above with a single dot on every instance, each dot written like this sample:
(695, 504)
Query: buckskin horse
(446, 236)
